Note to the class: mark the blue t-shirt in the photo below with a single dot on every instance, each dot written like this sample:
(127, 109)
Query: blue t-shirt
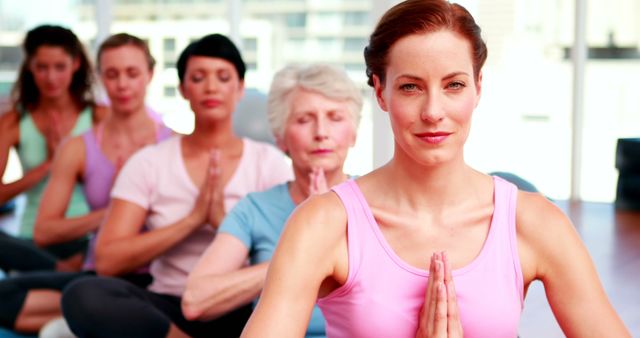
(257, 221)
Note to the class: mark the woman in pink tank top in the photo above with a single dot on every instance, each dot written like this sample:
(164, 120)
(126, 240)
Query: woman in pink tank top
(426, 246)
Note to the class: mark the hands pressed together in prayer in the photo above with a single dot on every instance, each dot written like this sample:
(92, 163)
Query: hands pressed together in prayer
(317, 182)
(440, 316)
(209, 206)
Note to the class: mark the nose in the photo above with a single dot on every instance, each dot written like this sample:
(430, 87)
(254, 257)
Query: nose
(321, 129)
(121, 81)
(432, 110)
(50, 75)
(211, 84)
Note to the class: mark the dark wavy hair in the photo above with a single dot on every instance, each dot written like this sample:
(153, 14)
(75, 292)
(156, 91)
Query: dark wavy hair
(25, 94)
(416, 17)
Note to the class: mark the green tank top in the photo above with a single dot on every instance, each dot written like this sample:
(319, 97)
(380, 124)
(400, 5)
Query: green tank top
(32, 152)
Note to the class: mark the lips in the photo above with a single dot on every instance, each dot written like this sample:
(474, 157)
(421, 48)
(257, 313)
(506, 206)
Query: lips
(433, 137)
(211, 103)
(321, 151)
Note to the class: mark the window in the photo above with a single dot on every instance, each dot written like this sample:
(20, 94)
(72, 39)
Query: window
(355, 44)
(356, 19)
(296, 20)
(10, 57)
(170, 91)
(169, 45)
(250, 45)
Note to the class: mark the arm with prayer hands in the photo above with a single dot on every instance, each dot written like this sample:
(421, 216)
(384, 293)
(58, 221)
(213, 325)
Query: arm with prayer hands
(216, 207)
(122, 247)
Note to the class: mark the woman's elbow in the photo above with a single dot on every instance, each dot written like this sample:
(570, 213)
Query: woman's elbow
(41, 237)
(107, 266)
(190, 308)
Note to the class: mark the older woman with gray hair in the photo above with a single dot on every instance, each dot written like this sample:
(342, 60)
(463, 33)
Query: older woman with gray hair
(314, 113)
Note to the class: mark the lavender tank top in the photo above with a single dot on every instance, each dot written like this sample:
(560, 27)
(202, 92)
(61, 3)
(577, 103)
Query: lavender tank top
(99, 175)
(383, 294)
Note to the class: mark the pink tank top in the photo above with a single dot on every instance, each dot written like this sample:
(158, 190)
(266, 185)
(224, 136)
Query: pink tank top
(383, 295)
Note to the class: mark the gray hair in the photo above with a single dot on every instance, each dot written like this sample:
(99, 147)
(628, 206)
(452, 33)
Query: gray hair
(327, 80)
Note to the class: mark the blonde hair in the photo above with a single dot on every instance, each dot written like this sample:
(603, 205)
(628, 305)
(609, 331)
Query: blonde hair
(326, 80)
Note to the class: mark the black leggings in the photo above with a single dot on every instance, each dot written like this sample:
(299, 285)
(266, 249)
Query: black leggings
(21, 254)
(109, 307)
(14, 290)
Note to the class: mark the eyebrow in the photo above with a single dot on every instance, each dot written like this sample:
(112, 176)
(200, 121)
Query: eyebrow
(446, 77)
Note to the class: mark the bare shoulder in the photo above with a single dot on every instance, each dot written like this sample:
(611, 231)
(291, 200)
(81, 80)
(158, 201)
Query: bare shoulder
(544, 233)
(71, 154)
(537, 216)
(315, 237)
(322, 215)
(9, 127)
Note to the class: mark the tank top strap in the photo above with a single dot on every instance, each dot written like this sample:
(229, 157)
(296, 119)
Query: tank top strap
(358, 230)
(505, 196)
(91, 147)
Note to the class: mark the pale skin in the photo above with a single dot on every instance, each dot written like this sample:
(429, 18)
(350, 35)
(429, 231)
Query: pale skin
(125, 73)
(317, 135)
(426, 200)
(210, 154)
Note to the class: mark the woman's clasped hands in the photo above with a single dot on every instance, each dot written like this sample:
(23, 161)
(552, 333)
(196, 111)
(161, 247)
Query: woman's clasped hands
(440, 316)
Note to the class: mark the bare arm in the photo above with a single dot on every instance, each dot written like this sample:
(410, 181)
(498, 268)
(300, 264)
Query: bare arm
(51, 225)
(219, 283)
(122, 248)
(564, 266)
(9, 137)
(311, 251)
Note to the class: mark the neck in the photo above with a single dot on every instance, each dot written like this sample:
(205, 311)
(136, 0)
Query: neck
(434, 186)
(128, 122)
(215, 135)
(64, 104)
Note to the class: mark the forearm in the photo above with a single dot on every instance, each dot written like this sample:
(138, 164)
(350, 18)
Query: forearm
(54, 230)
(210, 296)
(31, 178)
(117, 256)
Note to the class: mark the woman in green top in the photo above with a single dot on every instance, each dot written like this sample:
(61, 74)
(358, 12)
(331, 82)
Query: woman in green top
(52, 99)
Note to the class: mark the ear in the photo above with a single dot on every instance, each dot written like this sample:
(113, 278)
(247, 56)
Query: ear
(378, 88)
(478, 88)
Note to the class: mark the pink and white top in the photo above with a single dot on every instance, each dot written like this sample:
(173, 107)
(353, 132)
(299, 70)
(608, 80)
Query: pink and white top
(156, 179)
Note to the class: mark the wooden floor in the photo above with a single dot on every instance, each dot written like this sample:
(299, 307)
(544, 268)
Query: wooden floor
(613, 240)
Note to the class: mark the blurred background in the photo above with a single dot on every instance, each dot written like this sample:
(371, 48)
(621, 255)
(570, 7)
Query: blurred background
(539, 106)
